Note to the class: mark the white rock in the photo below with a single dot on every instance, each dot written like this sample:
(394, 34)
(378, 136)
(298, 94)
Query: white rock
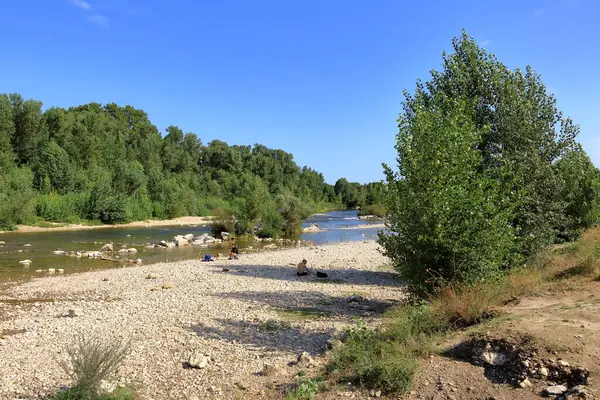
(132, 250)
(525, 383)
(493, 358)
(27, 245)
(562, 363)
(555, 390)
(138, 261)
(25, 262)
(107, 248)
(51, 270)
(543, 371)
(198, 360)
(58, 252)
(61, 271)
(188, 237)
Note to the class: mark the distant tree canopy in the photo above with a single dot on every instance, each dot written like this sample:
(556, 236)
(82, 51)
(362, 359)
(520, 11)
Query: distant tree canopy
(109, 163)
(489, 173)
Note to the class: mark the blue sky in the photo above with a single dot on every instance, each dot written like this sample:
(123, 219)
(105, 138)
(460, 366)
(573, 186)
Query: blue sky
(322, 79)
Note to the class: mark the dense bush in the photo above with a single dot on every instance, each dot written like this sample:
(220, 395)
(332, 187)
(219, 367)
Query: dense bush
(16, 197)
(372, 209)
(489, 173)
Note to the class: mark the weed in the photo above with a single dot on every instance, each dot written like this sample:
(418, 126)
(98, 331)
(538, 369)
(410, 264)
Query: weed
(90, 362)
(273, 326)
(77, 394)
(305, 390)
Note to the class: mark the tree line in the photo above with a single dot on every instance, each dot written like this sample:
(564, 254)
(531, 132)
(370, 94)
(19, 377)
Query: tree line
(489, 173)
(109, 163)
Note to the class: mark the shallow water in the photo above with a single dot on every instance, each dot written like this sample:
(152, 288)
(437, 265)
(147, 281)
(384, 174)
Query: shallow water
(43, 243)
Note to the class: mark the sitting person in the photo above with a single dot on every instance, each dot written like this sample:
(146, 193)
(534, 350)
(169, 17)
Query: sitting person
(302, 269)
(233, 253)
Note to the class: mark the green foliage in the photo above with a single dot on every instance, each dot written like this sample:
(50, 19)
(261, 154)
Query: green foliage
(293, 212)
(61, 208)
(489, 173)
(16, 196)
(305, 390)
(373, 209)
(580, 183)
(113, 157)
(77, 394)
(374, 362)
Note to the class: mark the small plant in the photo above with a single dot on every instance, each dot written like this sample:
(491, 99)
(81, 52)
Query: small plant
(273, 326)
(90, 362)
(76, 394)
(306, 390)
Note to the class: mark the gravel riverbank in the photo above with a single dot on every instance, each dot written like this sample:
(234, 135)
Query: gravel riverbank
(255, 313)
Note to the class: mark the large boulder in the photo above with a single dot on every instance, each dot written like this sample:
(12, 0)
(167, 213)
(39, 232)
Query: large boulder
(181, 241)
(188, 237)
(107, 248)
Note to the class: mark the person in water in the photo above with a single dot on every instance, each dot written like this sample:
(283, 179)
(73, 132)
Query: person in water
(234, 253)
(303, 269)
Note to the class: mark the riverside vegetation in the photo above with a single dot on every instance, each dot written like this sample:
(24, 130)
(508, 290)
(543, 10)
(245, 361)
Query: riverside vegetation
(109, 164)
(490, 178)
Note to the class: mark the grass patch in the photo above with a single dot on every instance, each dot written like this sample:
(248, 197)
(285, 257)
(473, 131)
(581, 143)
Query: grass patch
(273, 326)
(386, 359)
(306, 389)
(301, 314)
(76, 394)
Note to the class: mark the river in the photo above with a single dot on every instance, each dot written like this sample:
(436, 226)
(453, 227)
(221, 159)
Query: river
(336, 226)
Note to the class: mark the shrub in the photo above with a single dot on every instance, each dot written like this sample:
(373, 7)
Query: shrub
(368, 360)
(92, 361)
(224, 221)
(56, 208)
(373, 209)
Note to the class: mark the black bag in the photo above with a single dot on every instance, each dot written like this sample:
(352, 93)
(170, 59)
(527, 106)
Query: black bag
(322, 275)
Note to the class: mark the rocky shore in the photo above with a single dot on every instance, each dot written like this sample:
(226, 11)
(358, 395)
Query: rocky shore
(222, 329)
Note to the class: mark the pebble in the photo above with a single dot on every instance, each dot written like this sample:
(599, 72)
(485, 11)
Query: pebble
(74, 312)
(198, 360)
(208, 312)
(525, 383)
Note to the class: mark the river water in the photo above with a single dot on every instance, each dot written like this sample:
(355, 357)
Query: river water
(336, 226)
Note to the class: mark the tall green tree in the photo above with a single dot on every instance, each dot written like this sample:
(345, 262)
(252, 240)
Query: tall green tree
(450, 221)
(489, 172)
